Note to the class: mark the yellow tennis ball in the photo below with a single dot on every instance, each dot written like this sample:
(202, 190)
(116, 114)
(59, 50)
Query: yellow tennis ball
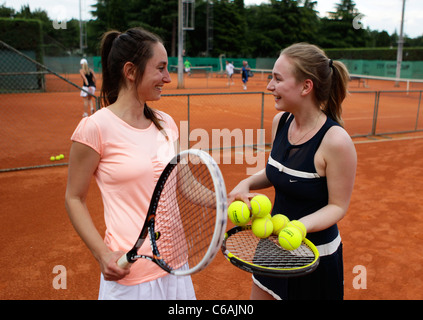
(260, 206)
(52, 158)
(290, 238)
(58, 158)
(279, 221)
(61, 156)
(239, 213)
(262, 227)
(269, 216)
(300, 226)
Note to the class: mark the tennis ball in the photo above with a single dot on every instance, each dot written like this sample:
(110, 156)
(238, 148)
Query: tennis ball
(61, 156)
(260, 206)
(239, 213)
(290, 238)
(58, 158)
(300, 226)
(262, 227)
(268, 216)
(52, 158)
(279, 221)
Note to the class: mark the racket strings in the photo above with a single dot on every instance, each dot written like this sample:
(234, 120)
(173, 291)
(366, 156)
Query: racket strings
(267, 252)
(186, 214)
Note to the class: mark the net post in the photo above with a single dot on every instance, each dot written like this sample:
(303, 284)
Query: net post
(180, 45)
(375, 112)
(262, 120)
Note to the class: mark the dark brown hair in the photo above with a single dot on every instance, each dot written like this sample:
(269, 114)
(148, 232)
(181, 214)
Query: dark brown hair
(330, 78)
(117, 48)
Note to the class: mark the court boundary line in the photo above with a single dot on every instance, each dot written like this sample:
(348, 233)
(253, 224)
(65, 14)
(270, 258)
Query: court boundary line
(385, 138)
(369, 139)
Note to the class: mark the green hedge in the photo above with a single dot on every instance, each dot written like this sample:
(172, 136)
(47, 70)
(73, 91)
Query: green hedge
(23, 34)
(409, 54)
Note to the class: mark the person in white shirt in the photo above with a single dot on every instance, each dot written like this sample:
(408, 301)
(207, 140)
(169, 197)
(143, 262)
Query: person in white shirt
(230, 72)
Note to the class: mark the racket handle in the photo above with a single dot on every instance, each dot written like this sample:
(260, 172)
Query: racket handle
(123, 262)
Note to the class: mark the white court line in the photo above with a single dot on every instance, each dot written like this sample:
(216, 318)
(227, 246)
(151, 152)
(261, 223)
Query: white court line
(240, 150)
(386, 139)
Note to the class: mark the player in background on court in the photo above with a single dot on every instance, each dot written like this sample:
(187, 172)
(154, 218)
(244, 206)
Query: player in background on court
(125, 145)
(312, 167)
(88, 84)
(187, 67)
(245, 73)
(229, 72)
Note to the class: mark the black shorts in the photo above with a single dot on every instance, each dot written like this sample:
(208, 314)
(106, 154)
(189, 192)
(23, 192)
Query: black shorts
(325, 283)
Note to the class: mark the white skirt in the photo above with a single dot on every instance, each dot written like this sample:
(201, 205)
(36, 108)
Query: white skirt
(89, 89)
(169, 287)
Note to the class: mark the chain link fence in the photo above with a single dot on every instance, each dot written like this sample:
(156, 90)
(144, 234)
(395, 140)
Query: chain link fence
(39, 109)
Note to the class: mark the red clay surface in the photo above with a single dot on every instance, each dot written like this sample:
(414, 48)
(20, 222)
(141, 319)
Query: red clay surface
(381, 231)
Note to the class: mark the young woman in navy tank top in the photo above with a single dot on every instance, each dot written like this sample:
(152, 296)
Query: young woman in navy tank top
(311, 166)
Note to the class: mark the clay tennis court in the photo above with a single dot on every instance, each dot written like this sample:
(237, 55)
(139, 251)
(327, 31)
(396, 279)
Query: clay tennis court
(380, 233)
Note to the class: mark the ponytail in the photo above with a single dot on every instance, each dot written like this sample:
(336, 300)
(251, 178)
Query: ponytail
(109, 88)
(135, 46)
(152, 115)
(338, 91)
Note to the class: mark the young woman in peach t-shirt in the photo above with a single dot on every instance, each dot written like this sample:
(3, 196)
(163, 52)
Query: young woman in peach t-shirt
(125, 146)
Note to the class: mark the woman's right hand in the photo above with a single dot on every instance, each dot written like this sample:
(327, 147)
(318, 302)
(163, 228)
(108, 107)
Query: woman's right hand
(109, 268)
(241, 192)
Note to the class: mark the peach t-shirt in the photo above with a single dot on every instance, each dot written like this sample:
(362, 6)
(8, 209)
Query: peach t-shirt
(131, 161)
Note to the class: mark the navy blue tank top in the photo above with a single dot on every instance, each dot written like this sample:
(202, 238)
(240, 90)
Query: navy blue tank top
(299, 190)
(90, 80)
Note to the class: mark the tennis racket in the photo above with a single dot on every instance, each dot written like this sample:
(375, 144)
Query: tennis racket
(186, 219)
(266, 257)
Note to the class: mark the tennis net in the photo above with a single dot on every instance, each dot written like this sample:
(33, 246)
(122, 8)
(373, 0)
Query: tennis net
(384, 83)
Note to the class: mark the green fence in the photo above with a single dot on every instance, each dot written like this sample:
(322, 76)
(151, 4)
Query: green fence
(382, 68)
(385, 68)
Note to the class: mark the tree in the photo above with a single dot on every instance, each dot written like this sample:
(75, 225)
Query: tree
(230, 29)
(6, 12)
(309, 21)
(337, 30)
(196, 40)
(279, 24)
(238, 30)
(111, 14)
(345, 10)
(379, 39)
(158, 16)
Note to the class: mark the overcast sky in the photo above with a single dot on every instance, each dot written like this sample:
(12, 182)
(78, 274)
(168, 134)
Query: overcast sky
(378, 14)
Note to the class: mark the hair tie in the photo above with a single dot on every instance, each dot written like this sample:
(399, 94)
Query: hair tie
(330, 63)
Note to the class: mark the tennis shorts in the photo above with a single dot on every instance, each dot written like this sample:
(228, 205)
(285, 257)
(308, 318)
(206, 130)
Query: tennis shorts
(169, 287)
(325, 283)
(89, 89)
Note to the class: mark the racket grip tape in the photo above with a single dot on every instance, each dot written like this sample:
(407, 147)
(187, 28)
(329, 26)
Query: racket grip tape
(123, 262)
